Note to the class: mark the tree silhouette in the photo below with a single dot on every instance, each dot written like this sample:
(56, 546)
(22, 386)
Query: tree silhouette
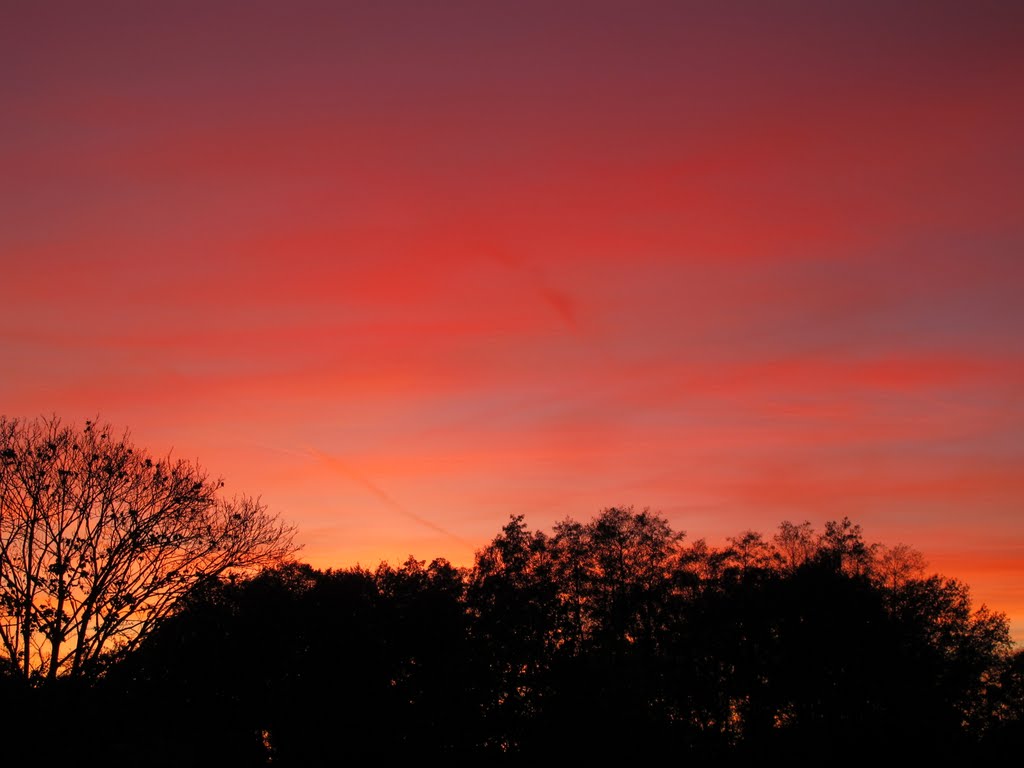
(99, 542)
(605, 639)
(516, 627)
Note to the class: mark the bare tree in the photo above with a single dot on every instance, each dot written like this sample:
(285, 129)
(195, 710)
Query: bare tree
(896, 566)
(795, 544)
(99, 542)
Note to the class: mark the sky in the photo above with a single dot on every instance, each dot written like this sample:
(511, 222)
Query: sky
(406, 269)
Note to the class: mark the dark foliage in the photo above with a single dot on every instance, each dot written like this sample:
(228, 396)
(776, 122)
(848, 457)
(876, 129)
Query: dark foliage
(611, 638)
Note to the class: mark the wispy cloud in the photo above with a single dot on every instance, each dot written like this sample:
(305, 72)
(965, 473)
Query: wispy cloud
(347, 471)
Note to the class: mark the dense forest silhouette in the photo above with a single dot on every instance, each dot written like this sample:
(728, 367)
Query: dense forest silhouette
(617, 637)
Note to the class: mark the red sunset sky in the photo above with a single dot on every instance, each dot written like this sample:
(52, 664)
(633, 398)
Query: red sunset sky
(405, 269)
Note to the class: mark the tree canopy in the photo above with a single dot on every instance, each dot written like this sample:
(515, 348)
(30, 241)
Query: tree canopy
(611, 638)
(615, 637)
(99, 541)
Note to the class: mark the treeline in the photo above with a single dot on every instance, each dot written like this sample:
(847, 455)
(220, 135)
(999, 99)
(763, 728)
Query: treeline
(613, 638)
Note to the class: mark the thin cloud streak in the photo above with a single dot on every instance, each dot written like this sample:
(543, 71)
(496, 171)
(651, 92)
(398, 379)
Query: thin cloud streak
(347, 471)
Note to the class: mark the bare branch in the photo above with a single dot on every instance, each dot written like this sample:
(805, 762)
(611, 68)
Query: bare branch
(99, 541)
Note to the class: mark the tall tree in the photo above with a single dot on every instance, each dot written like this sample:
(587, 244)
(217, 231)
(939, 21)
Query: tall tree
(99, 541)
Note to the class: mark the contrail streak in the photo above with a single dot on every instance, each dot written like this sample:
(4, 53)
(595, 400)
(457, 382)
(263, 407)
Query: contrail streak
(343, 469)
